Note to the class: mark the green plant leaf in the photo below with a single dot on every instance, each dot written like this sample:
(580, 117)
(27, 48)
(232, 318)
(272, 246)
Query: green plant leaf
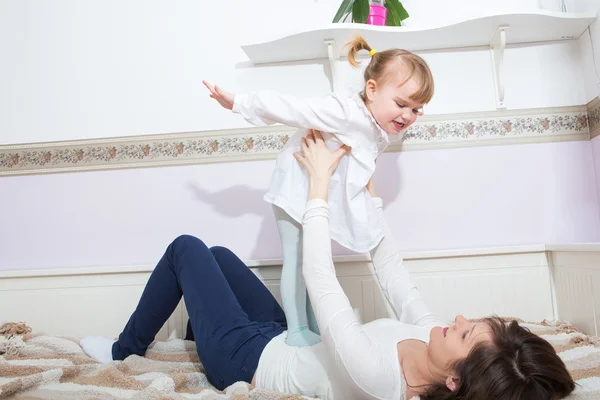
(399, 9)
(344, 9)
(360, 11)
(392, 18)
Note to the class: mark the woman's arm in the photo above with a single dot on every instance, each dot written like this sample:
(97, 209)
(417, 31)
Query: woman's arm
(402, 294)
(342, 333)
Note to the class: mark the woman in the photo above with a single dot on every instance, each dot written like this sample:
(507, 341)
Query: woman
(239, 328)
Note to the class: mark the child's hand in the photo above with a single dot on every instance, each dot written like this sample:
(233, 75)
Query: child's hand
(224, 98)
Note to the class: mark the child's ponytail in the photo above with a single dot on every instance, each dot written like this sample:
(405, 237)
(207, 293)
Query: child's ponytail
(357, 44)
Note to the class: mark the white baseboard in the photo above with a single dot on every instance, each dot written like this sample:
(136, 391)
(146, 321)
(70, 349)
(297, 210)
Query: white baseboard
(576, 272)
(519, 282)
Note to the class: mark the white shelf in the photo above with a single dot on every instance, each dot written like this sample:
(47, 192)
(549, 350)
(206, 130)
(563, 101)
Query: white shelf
(527, 27)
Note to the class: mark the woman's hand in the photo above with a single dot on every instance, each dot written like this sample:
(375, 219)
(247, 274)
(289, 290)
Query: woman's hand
(371, 188)
(319, 162)
(224, 98)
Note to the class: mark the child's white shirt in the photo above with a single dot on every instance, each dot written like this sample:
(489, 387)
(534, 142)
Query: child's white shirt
(343, 119)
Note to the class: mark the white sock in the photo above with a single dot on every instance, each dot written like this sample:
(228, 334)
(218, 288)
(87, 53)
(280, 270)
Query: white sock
(98, 347)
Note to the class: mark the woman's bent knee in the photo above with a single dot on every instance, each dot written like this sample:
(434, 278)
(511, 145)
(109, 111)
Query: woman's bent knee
(186, 242)
(219, 251)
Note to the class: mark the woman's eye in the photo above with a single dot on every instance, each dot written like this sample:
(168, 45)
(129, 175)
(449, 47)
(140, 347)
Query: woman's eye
(400, 105)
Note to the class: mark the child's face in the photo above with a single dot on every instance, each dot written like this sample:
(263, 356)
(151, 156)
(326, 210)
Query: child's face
(391, 106)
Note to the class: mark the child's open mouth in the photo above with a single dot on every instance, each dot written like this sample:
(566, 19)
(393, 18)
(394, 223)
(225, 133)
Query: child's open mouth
(398, 125)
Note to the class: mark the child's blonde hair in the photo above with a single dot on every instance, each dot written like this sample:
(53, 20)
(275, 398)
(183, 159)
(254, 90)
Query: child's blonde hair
(381, 63)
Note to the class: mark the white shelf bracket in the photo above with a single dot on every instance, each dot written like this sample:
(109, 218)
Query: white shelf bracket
(497, 47)
(333, 58)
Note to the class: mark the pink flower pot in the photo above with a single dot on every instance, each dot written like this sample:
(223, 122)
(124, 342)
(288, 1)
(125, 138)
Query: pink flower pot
(377, 15)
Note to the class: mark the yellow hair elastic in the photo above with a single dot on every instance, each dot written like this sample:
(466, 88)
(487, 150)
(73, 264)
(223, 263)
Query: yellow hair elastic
(372, 52)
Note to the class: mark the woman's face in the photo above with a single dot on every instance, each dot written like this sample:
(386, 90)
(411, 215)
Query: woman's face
(448, 345)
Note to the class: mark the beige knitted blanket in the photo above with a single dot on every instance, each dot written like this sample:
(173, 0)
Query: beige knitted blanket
(39, 366)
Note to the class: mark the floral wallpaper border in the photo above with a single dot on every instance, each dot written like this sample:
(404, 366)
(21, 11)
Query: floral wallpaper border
(475, 129)
(593, 110)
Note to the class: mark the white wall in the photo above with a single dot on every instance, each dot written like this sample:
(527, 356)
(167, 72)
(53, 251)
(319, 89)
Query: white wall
(88, 69)
(590, 47)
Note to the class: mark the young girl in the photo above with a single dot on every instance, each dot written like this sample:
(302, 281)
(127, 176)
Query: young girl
(397, 85)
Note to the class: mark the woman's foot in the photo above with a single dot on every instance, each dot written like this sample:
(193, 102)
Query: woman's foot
(99, 348)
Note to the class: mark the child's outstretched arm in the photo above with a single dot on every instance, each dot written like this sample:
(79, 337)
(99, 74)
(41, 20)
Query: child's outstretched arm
(328, 114)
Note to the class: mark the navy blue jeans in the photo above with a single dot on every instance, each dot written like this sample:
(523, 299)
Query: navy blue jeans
(233, 316)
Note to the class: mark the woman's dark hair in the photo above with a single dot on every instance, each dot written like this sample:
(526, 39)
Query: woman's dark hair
(516, 365)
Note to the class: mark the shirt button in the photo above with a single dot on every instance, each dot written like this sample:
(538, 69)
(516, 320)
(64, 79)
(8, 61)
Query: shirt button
(379, 139)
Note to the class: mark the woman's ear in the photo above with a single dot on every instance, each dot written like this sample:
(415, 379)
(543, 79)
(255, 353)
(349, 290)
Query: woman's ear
(370, 89)
(452, 383)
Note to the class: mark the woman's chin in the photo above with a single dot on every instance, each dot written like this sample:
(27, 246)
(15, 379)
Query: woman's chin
(436, 334)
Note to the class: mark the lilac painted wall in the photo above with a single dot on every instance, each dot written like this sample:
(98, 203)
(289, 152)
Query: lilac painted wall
(596, 156)
(495, 196)
(435, 199)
